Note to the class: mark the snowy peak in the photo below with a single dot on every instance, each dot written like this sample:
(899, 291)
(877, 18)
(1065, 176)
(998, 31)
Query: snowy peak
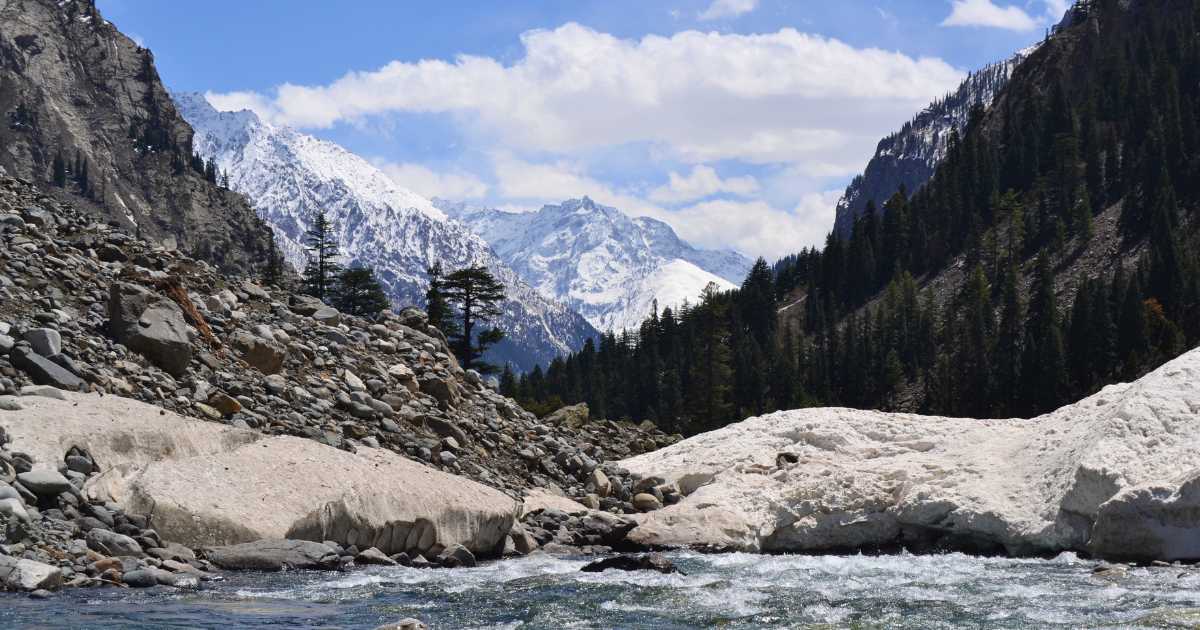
(290, 176)
(610, 267)
(907, 159)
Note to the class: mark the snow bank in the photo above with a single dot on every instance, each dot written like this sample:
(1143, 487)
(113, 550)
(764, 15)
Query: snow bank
(1117, 463)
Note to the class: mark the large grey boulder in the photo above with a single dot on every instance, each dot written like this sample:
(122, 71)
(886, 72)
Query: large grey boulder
(19, 574)
(572, 416)
(258, 487)
(274, 555)
(151, 325)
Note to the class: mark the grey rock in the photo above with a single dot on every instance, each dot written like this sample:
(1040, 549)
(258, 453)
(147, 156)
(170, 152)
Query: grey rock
(265, 355)
(45, 483)
(44, 371)
(112, 543)
(373, 556)
(274, 555)
(27, 575)
(150, 325)
(45, 341)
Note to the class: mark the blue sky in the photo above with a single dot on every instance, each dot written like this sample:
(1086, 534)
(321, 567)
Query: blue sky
(737, 121)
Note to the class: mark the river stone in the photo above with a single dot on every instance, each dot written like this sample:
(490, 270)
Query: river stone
(646, 502)
(274, 555)
(13, 507)
(404, 624)
(28, 575)
(45, 483)
(112, 543)
(44, 341)
(645, 562)
(373, 556)
(10, 403)
(140, 578)
(327, 315)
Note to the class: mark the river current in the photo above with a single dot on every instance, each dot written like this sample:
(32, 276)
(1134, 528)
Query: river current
(728, 591)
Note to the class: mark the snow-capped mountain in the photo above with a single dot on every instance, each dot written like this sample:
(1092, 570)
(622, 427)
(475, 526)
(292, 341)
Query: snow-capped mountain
(288, 176)
(908, 157)
(609, 267)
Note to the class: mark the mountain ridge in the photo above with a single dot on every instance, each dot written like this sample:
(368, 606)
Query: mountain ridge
(610, 267)
(288, 175)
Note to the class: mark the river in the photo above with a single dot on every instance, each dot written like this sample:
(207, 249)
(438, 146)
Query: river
(729, 591)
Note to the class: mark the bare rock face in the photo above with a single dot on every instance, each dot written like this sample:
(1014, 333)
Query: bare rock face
(75, 88)
(1116, 474)
(258, 487)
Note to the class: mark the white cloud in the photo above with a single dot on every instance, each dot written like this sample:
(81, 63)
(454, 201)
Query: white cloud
(698, 97)
(986, 13)
(428, 183)
(702, 182)
(1056, 9)
(755, 227)
(721, 9)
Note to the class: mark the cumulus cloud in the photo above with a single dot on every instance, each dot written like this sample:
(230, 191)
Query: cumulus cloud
(702, 182)
(426, 182)
(986, 13)
(756, 227)
(721, 9)
(699, 97)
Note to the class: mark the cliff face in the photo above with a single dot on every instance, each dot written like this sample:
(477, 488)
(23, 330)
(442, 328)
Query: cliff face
(85, 114)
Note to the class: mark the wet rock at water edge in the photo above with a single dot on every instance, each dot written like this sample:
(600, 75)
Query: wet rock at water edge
(644, 562)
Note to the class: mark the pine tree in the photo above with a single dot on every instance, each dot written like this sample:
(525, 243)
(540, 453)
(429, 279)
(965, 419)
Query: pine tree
(477, 295)
(711, 374)
(273, 269)
(322, 269)
(358, 292)
(59, 171)
(1043, 365)
(441, 316)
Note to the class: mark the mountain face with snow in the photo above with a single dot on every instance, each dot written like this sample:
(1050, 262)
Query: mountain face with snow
(288, 176)
(609, 267)
(908, 157)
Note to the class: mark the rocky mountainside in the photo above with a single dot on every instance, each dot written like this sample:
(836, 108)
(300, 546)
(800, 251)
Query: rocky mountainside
(907, 158)
(289, 176)
(84, 112)
(86, 306)
(609, 267)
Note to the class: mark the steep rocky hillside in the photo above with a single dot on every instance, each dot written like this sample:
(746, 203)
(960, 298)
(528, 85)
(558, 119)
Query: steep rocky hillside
(85, 115)
(86, 306)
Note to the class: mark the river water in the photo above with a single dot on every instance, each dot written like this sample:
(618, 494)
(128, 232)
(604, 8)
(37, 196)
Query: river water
(729, 591)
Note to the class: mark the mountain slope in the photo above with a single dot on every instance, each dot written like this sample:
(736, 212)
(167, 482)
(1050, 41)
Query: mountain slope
(907, 159)
(73, 87)
(289, 176)
(606, 265)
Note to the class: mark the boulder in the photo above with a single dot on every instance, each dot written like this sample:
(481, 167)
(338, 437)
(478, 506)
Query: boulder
(1107, 475)
(112, 544)
(43, 371)
(261, 487)
(45, 483)
(644, 562)
(305, 304)
(572, 417)
(264, 355)
(327, 315)
(540, 499)
(644, 502)
(373, 556)
(19, 574)
(274, 555)
(45, 341)
(151, 325)
(1158, 521)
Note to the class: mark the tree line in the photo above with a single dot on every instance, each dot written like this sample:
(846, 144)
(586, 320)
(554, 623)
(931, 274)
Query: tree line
(1108, 120)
